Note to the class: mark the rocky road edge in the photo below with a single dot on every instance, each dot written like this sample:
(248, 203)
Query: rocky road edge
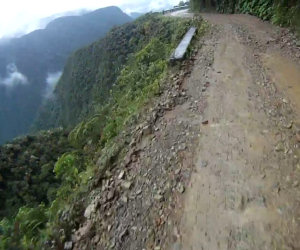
(132, 202)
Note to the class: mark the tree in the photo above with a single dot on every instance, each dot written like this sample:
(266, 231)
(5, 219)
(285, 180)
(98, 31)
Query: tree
(181, 3)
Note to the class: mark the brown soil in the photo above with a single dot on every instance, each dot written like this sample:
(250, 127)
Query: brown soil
(244, 191)
(214, 163)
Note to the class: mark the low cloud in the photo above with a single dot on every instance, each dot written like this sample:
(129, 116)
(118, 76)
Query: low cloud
(146, 5)
(20, 17)
(52, 80)
(13, 77)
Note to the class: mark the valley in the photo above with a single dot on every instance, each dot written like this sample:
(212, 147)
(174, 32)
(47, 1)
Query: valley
(38, 56)
(136, 152)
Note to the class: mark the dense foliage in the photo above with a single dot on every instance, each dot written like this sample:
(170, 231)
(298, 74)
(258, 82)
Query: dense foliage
(26, 170)
(40, 53)
(117, 76)
(92, 71)
(280, 12)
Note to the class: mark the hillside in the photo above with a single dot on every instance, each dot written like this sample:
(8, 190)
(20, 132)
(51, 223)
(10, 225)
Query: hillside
(109, 83)
(91, 72)
(27, 64)
(26, 170)
(202, 153)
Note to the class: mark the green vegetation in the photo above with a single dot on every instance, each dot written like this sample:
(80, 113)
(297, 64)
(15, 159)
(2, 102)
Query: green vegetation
(26, 170)
(91, 72)
(42, 52)
(103, 88)
(280, 12)
(28, 185)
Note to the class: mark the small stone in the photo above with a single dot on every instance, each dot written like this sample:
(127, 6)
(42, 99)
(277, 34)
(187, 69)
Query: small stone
(279, 147)
(68, 245)
(157, 248)
(110, 195)
(296, 184)
(158, 197)
(97, 238)
(207, 84)
(126, 184)
(205, 122)
(177, 171)
(180, 188)
(182, 146)
(89, 210)
(284, 101)
(121, 175)
(203, 164)
(124, 199)
(279, 210)
(289, 125)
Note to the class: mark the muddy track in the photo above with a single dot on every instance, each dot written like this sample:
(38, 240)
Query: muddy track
(244, 190)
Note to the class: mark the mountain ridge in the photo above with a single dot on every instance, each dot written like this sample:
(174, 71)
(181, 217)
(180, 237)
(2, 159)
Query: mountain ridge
(40, 53)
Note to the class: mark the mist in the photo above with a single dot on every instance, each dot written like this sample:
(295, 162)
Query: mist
(13, 77)
(52, 80)
(21, 17)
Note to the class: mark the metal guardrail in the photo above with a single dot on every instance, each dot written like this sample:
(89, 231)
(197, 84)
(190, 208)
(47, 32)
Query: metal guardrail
(181, 50)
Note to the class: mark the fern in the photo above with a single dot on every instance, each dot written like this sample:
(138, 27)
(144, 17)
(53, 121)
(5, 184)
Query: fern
(30, 221)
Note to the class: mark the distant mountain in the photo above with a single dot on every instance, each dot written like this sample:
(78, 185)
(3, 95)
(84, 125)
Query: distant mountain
(136, 15)
(45, 21)
(28, 64)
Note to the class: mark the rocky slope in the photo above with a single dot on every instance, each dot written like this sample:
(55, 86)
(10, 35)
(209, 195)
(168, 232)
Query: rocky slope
(103, 139)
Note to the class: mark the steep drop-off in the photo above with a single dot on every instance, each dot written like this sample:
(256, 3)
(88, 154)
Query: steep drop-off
(28, 64)
(91, 72)
(109, 84)
(26, 170)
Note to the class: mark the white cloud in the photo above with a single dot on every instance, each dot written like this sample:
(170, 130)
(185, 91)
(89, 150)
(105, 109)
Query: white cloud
(18, 16)
(52, 80)
(14, 77)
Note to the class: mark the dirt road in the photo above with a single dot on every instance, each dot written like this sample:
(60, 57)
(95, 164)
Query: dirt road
(213, 162)
(244, 191)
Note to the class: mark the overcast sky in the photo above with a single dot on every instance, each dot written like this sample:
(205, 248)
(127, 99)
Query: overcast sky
(22, 16)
